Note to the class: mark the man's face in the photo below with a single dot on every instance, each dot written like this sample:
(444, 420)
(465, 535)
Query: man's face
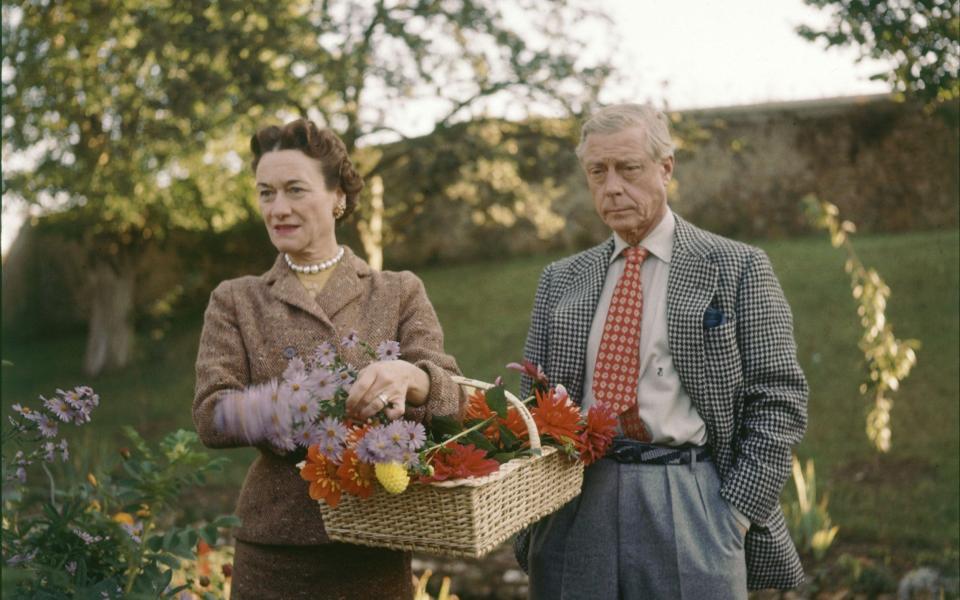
(629, 188)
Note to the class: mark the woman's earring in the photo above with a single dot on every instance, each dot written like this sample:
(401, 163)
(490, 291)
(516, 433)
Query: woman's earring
(340, 208)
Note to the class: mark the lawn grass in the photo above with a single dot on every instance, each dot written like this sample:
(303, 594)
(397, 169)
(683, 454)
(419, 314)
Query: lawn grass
(906, 501)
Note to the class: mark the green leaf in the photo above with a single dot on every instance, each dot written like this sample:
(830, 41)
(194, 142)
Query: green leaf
(502, 457)
(210, 533)
(227, 521)
(497, 401)
(445, 426)
(507, 440)
(480, 441)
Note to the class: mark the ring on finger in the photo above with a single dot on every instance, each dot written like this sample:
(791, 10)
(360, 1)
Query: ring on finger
(383, 399)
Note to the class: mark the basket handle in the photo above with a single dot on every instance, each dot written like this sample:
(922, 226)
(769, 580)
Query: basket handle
(514, 401)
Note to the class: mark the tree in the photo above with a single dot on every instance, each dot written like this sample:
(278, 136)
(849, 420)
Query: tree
(120, 104)
(918, 36)
(137, 111)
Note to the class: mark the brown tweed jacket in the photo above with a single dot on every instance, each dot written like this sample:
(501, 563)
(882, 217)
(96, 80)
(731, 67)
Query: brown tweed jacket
(254, 324)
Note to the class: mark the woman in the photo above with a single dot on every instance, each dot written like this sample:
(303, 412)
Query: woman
(316, 291)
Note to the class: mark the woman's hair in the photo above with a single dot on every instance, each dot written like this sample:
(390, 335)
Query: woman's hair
(321, 144)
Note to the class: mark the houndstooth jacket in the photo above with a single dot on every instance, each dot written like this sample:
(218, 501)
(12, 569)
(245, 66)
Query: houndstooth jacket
(740, 371)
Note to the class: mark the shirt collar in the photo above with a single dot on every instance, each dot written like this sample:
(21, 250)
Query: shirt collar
(658, 242)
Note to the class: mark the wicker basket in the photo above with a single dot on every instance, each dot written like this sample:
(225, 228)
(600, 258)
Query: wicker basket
(465, 517)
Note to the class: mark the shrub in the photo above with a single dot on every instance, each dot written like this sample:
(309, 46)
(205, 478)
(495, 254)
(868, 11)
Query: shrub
(110, 533)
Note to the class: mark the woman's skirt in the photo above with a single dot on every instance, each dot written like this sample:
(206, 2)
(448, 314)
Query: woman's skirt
(332, 571)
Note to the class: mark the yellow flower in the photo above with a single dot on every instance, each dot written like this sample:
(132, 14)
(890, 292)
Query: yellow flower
(94, 506)
(92, 479)
(124, 518)
(392, 476)
(144, 511)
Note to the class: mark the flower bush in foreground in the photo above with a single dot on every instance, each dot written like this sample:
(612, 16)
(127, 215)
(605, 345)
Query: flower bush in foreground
(110, 533)
(307, 408)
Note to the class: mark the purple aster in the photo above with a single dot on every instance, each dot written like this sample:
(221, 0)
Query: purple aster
(134, 531)
(332, 428)
(331, 449)
(410, 459)
(17, 559)
(48, 427)
(416, 435)
(351, 340)
(323, 383)
(59, 407)
(304, 408)
(377, 447)
(345, 378)
(21, 475)
(388, 350)
(86, 537)
(325, 354)
(296, 395)
(71, 567)
(49, 451)
(281, 439)
(296, 369)
(64, 450)
(562, 395)
(397, 433)
(306, 434)
(22, 410)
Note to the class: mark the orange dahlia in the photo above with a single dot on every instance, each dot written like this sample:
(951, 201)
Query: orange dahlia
(322, 475)
(477, 409)
(514, 422)
(598, 434)
(355, 477)
(556, 416)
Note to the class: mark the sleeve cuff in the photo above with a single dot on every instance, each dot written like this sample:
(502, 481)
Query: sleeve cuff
(444, 397)
(739, 516)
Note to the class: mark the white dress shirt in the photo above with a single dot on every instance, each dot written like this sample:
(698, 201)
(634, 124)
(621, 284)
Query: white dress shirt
(664, 405)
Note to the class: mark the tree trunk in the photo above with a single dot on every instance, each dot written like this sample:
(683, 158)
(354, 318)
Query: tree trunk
(371, 231)
(110, 338)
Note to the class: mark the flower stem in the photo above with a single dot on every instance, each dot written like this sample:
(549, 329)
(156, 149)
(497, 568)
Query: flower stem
(53, 488)
(467, 431)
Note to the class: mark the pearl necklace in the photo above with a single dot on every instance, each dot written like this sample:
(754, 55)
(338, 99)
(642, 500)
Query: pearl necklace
(321, 266)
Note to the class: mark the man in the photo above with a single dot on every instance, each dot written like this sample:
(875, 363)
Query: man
(687, 336)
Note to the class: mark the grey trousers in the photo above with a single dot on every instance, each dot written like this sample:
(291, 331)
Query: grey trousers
(640, 531)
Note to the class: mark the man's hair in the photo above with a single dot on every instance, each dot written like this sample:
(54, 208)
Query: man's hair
(617, 117)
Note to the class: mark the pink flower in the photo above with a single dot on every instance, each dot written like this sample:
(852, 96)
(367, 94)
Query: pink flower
(534, 372)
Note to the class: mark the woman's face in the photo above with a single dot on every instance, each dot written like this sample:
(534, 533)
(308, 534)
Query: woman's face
(296, 205)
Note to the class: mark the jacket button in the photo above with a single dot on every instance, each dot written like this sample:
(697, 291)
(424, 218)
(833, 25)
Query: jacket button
(289, 352)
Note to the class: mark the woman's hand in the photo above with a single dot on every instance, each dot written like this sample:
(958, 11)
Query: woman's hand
(387, 385)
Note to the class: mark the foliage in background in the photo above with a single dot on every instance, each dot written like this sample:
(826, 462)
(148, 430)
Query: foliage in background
(889, 359)
(807, 518)
(918, 36)
(420, 592)
(108, 534)
(136, 112)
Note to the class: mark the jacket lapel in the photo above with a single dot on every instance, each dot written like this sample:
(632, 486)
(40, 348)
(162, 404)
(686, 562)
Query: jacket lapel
(344, 285)
(342, 288)
(573, 315)
(691, 286)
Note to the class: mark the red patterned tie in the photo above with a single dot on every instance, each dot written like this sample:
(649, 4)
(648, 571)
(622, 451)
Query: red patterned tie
(618, 359)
